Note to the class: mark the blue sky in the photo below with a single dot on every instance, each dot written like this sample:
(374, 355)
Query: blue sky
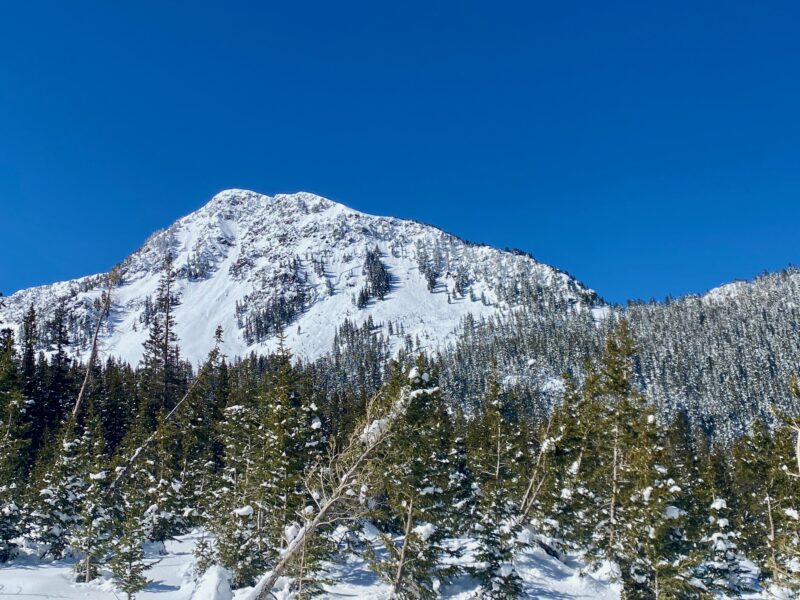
(647, 148)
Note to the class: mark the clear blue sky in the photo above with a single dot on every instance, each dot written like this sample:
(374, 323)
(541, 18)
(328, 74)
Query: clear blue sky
(649, 148)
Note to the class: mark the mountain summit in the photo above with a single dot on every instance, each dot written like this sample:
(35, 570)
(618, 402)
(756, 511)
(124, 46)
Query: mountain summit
(299, 264)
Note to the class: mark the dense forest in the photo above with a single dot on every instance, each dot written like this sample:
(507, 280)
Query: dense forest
(286, 464)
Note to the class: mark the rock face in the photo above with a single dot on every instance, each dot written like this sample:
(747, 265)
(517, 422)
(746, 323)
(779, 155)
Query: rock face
(301, 264)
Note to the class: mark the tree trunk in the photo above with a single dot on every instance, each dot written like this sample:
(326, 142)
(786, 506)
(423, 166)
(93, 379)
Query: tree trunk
(106, 299)
(344, 482)
(398, 579)
(612, 534)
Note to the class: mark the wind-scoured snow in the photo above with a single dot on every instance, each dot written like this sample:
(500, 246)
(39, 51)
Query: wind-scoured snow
(240, 249)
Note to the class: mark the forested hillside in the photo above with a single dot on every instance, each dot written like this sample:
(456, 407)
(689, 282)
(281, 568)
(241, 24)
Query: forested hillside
(439, 471)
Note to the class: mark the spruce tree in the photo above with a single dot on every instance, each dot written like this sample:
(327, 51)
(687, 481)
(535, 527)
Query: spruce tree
(161, 369)
(494, 452)
(13, 446)
(127, 562)
(98, 517)
(417, 486)
(55, 505)
(239, 544)
(720, 570)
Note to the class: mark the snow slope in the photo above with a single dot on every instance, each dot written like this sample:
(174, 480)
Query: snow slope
(245, 250)
(173, 578)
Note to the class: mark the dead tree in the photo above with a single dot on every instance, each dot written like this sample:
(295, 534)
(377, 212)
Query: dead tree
(105, 310)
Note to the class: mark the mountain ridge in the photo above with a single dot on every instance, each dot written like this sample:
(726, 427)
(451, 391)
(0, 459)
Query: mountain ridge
(252, 263)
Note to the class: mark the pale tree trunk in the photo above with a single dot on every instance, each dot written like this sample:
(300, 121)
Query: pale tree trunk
(612, 517)
(537, 478)
(398, 579)
(340, 474)
(771, 536)
(797, 449)
(657, 589)
(113, 277)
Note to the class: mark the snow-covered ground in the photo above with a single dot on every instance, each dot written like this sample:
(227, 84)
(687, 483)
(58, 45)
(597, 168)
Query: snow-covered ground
(173, 578)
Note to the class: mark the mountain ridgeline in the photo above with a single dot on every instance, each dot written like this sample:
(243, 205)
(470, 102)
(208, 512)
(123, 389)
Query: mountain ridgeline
(350, 290)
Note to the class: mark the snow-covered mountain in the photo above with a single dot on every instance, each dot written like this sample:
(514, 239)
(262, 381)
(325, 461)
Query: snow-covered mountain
(247, 262)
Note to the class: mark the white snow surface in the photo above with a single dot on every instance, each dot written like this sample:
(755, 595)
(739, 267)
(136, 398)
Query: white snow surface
(173, 577)
(247, 240)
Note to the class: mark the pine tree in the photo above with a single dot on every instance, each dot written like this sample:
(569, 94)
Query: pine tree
(199, 453)
(493, 455)
(161, 377)
(127, 562)
(163, 499)
(58, 393)
(13, 446)
(577, 435)
(785, 512)
(57, 498)
(756, 479)
(239, 545)
(291, 441)
(720, 570)
(39, 421)
(92, 536)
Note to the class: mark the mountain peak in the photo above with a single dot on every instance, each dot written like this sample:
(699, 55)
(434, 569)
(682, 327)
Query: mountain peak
(239, 197)
(303, 264)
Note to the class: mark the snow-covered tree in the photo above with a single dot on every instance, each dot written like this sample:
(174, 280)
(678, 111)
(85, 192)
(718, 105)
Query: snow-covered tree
(55, 506)
(416, 486)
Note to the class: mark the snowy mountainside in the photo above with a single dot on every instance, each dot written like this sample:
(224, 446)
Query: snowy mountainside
(251, 262)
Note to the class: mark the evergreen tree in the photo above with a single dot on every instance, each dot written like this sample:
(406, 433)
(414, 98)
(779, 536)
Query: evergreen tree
(92, 536)
(161, 376)
(58, 393)
(13, 446)
(57, 498)
(785, 512)
(240, 546)
(155, 487)
(127, 562)
(494, 452)
(720, 570)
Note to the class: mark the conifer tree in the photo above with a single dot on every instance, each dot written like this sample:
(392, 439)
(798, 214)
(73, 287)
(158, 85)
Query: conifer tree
(576, 425)
(756, 479)
(291, 441)
(198, 447)
(37, 415)
(98, 517)
(161, 377)
(163, 500)
(58, 394)
(417, 487)
(785, 524)
(493, 456)
(56, 500)
(720, 569)
(239, 544)
(127, 562)
(13, 446)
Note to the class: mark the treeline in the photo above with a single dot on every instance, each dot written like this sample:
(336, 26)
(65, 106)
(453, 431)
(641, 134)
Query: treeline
(251, 451)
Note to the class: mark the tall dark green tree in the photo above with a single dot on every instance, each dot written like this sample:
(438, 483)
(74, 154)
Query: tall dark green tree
(416, 487)
(161, 369)
(494, 447)
(13, 446)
